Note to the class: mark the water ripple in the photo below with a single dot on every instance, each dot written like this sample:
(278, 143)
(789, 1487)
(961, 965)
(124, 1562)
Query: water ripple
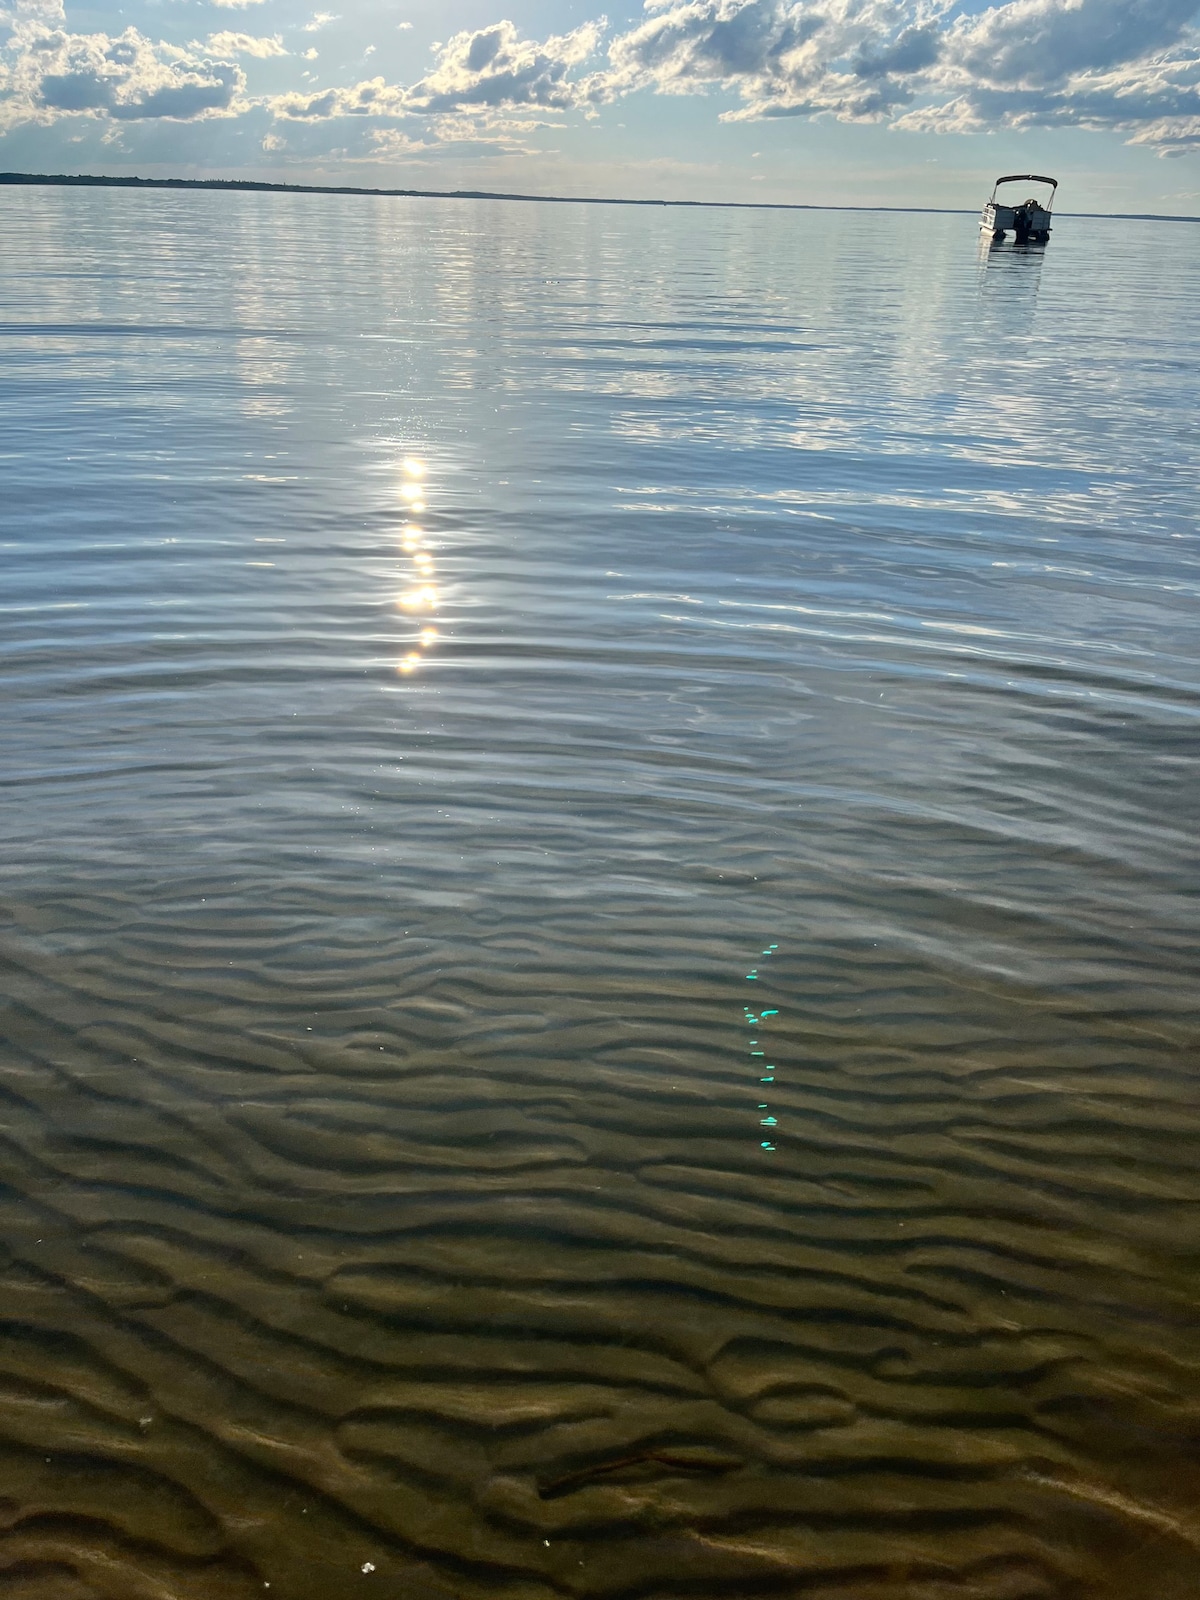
(597, 904)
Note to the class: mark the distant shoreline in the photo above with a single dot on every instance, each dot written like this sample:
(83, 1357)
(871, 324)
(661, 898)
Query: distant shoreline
(253, 186)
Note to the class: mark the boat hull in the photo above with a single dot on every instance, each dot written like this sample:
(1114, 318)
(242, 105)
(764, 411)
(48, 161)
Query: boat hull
(1023, 222)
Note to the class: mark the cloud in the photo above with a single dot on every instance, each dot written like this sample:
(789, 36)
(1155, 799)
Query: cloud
(49, 73)
(1126, 65)
(1129, 66)
(1040, 43)
(1155, 107)
(236, 4)
(910, 51)
(852, 58)
(495, 67)
(456, 138)
(1178, 137)
(490, 70)
(374, 97)
(244, 44)
(49, 13)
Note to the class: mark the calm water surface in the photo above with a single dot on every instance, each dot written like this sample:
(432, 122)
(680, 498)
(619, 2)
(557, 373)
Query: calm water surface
(597, 902)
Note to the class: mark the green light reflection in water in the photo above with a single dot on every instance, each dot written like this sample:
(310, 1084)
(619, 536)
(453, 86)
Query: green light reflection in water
(755, 1021)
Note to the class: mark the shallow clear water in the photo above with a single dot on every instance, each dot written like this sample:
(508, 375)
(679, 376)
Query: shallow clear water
(394, 1201)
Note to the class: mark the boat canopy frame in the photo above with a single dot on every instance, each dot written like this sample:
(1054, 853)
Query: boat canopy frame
(1027, 177)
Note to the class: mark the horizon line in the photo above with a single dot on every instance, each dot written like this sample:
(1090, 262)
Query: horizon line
(266, 186)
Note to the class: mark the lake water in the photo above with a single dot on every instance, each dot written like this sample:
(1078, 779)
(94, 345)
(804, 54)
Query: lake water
(598, 892)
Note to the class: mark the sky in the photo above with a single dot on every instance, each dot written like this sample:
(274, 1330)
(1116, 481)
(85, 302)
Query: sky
(852, 102)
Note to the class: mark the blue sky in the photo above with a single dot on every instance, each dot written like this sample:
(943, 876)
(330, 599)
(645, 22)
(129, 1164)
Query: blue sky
(850, 101)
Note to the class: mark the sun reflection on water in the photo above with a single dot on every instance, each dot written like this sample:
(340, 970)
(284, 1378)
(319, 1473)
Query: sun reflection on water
(422, 596)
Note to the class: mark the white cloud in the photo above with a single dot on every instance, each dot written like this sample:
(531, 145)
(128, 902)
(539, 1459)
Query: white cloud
(403, 27)
(49, 13)
(372, 98)
(855, 58)
(1038, 43)
(49, 73)
(1128, 65)
(493, 66)
(243, 44)
(1132, 66)
(456, 138)
(489, 71)
(236, 4)
(1094, 64)
(1171, 136)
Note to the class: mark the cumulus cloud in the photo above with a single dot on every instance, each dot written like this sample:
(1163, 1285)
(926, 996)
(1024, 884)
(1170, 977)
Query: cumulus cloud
(373, 97)
(1096, 64)
(496, 67)
(457, 138)
(489, 70)
(910, 51)
(50, 73)
(49, 13)
(855, 59)
(244, 44)
(1034, 43)
(1127, 65)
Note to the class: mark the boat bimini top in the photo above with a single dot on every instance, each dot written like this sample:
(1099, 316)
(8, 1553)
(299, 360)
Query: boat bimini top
(1028, 177)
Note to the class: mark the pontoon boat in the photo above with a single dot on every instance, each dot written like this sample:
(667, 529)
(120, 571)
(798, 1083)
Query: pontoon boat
(1028, 222)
